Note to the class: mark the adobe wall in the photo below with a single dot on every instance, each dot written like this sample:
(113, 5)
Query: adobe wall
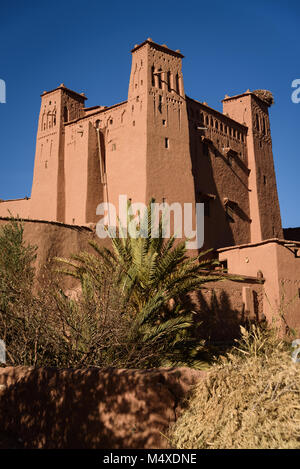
(46, 164)
(222, 306)
(92, 408)
(250, 110)
(122, 141)
(169, 168)
(280, 267)
(48, 188)
(19, 207)
(289, 283)
(220, 169)
(54, 239)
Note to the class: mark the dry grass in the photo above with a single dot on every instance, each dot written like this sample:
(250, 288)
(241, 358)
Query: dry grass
(250, 400)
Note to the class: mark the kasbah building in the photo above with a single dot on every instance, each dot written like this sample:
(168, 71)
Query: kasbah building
(163, 144)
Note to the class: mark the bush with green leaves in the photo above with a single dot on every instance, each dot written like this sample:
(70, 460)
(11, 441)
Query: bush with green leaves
(16, 262)
(16, 284)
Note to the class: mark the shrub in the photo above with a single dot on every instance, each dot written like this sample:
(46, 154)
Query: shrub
(16, 262)
(130, 312)
(152, 278)
(17, 326)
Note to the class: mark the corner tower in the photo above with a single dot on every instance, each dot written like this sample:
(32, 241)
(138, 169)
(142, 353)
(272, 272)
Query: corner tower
(251, 109)
(48, 189)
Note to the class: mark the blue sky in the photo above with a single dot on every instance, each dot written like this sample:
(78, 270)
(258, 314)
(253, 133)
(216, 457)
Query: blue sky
(228, 46)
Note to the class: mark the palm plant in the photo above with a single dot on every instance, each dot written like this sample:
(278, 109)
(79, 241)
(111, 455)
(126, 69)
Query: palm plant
(153, 278)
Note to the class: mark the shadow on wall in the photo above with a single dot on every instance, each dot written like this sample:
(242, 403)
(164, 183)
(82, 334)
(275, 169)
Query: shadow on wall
(217, 178)
(218, 234)
(92, 408)
(219, 314)
(220, 321)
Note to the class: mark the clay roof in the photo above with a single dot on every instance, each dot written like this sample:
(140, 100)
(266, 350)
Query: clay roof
(63, 87)
(49, 222)
(14, 200)
(162, 47)
(247, 93)
(260, 243)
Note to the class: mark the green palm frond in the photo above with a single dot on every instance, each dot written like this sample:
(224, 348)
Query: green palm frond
(152, 276)
(165, 328)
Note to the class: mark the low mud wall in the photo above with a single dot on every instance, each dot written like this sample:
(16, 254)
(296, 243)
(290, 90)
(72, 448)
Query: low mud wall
(221, 307)
(92, 408)
(55, 239)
